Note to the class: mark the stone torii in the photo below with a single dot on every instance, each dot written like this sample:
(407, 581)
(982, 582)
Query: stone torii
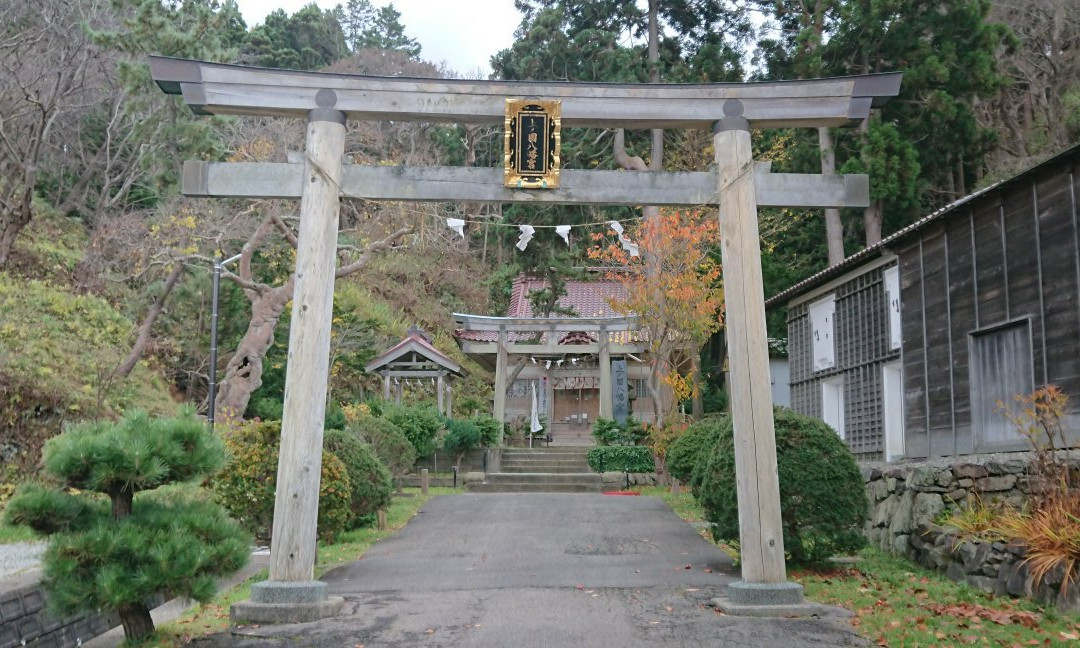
(737, 186)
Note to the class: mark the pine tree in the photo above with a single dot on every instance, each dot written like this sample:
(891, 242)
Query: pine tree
(386, 32)
(117, 553)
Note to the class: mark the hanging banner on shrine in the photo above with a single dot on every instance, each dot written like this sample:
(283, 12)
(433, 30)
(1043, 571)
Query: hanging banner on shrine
(531, 143)
(620, 393)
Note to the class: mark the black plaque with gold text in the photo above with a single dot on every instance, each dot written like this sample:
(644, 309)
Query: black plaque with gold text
(531, 143)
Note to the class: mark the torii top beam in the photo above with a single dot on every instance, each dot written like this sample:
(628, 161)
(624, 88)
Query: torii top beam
(220, 89)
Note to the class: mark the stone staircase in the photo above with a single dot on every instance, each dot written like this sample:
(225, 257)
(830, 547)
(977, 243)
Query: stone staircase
(541, 470)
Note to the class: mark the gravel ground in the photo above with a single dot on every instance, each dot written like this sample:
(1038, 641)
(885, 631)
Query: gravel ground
(19, 556)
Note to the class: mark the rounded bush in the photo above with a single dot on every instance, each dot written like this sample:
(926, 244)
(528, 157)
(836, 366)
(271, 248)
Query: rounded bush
(822, 498)
(245, 487)
(388, 442)
(420, 423)
(691, 450)
(489, 430)
(635, 459)
(369, 479)
(462, 435)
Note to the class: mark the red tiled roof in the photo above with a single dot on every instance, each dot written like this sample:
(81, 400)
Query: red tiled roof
(584, 298)
(587, 299)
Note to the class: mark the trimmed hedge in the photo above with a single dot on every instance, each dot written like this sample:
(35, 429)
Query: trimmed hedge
(462, 435)
(369, 480)
(489, 430)
(608, 432)
(420, 423)
(821, 490)
(635, 459)
(688, 454)
(245, 487)
(388, 442)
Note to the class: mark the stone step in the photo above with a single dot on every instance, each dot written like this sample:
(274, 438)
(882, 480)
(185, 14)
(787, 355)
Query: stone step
(572, 450)
(545, 467)
(516, 487)
(544, 478)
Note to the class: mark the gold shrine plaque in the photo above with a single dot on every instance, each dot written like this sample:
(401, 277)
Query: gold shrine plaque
(531, 143)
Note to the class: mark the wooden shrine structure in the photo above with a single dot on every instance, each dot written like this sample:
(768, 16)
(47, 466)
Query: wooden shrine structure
(416, 358)
(736, 185)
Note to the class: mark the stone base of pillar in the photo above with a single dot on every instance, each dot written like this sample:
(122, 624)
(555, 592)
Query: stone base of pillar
(772, 600)
(274, 602)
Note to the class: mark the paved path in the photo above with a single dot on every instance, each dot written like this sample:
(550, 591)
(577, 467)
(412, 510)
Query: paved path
(548, 570)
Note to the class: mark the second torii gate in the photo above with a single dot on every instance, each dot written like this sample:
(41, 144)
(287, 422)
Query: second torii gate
(736, 186)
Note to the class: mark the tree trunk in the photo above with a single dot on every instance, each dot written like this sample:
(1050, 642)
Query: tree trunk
(873, 213)
(243, 374)
(13, 223)
(135, 617)
(697, 409)
(147, 325)
(121, 503)
(653, 384)
(872, 223)
(834, 228)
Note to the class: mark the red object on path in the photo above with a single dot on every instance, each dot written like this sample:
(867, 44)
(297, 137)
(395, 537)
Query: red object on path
(621, 493)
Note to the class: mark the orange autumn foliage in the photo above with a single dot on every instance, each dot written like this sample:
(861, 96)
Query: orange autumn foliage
(674, 289)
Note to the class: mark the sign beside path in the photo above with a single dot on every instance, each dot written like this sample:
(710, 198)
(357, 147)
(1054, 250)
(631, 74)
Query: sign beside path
(551, 570)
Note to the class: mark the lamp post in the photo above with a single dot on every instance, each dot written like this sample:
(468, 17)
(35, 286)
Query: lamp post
(212, 398)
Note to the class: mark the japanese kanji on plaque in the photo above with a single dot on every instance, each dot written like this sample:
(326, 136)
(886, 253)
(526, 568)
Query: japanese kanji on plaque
(531, 143)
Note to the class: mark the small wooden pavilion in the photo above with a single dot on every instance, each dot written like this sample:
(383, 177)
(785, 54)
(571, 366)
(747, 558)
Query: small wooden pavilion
(415, 358)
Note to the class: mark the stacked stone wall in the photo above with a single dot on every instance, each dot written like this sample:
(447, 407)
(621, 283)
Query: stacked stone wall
(25, 621)
(910, 502)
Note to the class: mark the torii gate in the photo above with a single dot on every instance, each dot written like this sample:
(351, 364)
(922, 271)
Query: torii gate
(738, 187)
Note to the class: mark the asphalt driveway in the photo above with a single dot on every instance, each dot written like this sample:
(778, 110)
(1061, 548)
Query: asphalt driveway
(550, 570)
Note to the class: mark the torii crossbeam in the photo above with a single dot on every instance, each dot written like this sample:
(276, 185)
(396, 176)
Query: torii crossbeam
(737, 187)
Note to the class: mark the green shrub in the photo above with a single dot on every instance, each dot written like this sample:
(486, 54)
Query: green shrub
(115, 552)
(462, 435)
(420, 423)
(388, 442)
(635, 459)
(693, 448)
(245, 487)
(822, 496)
(369, 479)
(489, 430)
(266, 408)
(607, 432)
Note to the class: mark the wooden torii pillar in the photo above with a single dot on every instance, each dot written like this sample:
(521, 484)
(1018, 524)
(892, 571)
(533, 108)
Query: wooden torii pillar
(737, 186)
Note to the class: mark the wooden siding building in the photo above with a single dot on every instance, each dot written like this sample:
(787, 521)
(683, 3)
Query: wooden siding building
(906, 347)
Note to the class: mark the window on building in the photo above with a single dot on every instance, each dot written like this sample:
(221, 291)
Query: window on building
(892, 298)
(892, 409)
(832, 403)
(1001, 367)
(821, 330)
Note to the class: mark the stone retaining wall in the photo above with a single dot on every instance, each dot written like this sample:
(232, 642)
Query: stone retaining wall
(24, 620)
(908, 501)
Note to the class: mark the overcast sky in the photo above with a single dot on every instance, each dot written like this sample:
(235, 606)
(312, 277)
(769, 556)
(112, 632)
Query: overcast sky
(462, 33)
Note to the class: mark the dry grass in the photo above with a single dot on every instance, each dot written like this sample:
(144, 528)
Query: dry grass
(1050, 536)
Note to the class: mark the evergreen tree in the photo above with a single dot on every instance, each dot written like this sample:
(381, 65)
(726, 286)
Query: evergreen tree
(117, 554)
(385, 31)
(308, 40)
(355, 17)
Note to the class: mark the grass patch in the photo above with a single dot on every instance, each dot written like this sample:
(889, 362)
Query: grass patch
(682, 503)
(897, 603)
(213, 617)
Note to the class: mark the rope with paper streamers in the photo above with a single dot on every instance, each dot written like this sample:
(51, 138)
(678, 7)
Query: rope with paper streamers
(528, 231)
